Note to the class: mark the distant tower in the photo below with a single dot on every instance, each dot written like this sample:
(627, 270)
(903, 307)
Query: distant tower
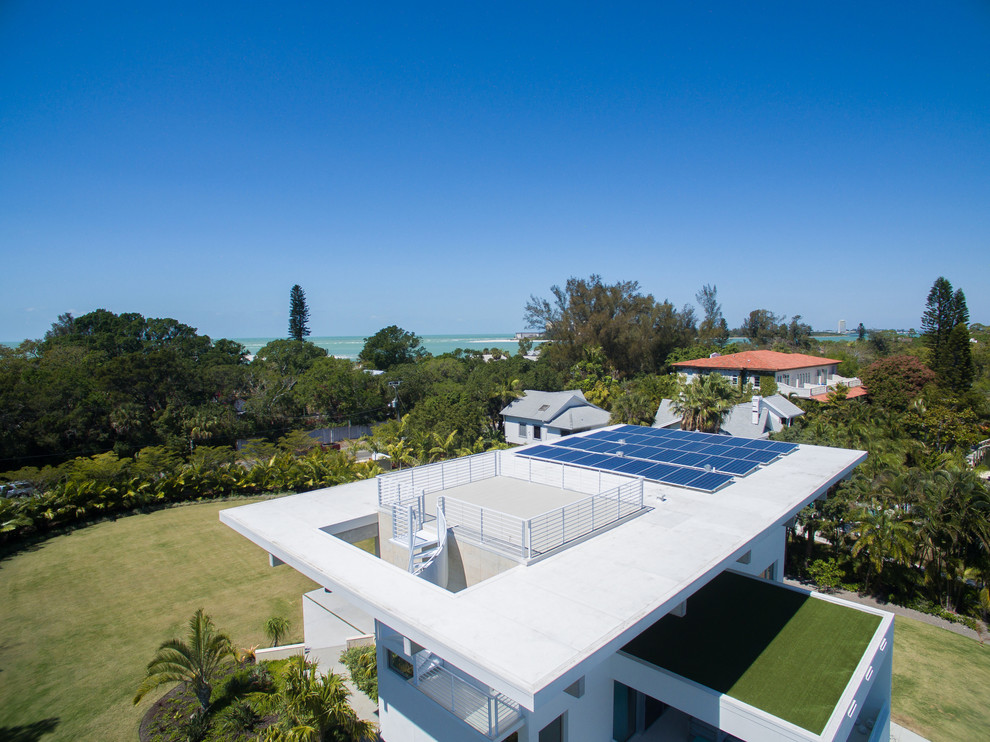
(842, 327)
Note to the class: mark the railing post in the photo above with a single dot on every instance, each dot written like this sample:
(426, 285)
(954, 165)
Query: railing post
(411, 538)
(563, 528)
(492, 717)
(481, 523)
(528, 525)
(593, 512)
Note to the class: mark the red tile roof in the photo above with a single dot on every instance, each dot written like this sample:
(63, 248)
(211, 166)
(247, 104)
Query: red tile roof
(759, 360)
(856, 391)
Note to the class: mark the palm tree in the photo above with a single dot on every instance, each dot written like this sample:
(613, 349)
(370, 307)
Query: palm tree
(704, 403)
(276, 628)
(196, 661)
(882, 535)
(313, 708)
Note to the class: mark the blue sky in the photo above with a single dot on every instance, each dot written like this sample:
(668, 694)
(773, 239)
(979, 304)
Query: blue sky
(433, 165)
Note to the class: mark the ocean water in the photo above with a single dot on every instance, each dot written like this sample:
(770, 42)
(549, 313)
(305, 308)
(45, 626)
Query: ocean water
(348, 346)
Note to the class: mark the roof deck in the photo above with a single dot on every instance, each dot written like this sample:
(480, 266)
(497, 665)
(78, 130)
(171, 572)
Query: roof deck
(782, 651)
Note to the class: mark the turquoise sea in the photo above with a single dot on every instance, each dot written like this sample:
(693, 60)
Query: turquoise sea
(348, 346)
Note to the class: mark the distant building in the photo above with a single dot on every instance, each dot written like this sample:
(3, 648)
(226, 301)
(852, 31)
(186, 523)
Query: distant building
(755, 419)
(547, 416)
(842, 327)
(795, 373)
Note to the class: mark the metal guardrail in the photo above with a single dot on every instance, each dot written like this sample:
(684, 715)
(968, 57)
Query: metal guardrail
(490, 713)
(532, 537)
(400, 485)
(408, 516)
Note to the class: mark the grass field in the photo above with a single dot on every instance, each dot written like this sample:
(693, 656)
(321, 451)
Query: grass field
(941, 683)
(81, 615)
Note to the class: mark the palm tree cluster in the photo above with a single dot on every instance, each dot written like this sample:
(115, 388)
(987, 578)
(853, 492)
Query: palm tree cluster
(305, 705)
(77, 499)
(408, 447)
(913, 521)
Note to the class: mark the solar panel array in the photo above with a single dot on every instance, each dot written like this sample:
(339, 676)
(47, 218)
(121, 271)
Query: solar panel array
(701, 461)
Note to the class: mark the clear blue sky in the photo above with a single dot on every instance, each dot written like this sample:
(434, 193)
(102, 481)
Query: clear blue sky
(433, 165)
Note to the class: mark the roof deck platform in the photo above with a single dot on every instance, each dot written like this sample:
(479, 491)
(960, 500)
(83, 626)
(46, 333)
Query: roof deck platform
(528, 631)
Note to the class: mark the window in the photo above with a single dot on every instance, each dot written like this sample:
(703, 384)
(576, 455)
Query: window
(400, 665)
(756, 382)
(537, 432)
(554, 731)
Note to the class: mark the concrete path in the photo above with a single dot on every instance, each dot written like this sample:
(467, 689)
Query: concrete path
(958, 628)
(902, 734)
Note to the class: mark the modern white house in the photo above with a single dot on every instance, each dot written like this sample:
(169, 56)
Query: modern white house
(548, 416)
(757, 418)
(795, 373)
(621, 584)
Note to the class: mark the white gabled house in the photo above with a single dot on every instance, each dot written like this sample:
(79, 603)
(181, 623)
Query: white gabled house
(548, 416)
(622, 584)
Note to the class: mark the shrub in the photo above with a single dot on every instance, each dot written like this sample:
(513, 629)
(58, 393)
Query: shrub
(768, 386)
(827, 574)
(362, 664)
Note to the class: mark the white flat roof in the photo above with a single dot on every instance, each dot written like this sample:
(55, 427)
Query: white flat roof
(527, 631)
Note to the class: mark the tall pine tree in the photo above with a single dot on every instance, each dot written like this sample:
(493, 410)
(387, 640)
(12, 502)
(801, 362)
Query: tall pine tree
(945, 329)
(298, 314)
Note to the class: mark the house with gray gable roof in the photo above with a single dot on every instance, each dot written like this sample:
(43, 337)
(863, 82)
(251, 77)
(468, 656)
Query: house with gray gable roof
(548, 416)
(756, 419)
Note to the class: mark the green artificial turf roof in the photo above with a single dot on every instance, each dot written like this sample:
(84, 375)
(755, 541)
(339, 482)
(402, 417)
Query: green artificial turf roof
(773, 648)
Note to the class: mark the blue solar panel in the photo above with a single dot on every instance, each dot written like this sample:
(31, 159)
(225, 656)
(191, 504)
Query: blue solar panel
(537, 451)
(605, 435)
(663, 454)
(764, 457)
(572, 455)
(709, 481)
(691, 459)
(681, 476)
(658, 471)
(781, 447)
(693, 446)
(634, 466)
(599, 460)
(583, 444)
(684, 458)
(733, 466)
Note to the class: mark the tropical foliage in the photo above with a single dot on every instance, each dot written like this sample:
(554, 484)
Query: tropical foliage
(704, 402)
(197, 661)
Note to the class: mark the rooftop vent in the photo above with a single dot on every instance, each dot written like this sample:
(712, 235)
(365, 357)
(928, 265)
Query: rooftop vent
(715, 355)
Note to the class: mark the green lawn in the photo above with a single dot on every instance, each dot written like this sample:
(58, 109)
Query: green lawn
(81, 615)
(755, 642)
(941, 683)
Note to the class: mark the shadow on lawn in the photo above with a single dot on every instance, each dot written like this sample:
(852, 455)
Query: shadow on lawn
(29, 732)
(728, 624)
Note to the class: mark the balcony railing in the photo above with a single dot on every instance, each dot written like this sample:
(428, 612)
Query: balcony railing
(489, 712)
